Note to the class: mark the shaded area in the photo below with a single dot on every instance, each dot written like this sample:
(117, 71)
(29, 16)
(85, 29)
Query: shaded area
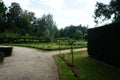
(89, 68)
(103, 43)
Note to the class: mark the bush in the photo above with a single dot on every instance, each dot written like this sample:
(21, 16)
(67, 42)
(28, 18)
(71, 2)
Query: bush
(6, 50)
(1, 56)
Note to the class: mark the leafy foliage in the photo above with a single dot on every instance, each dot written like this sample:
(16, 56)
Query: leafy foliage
(18, 21)
(105, 12)
(74, 32)
(14, 20)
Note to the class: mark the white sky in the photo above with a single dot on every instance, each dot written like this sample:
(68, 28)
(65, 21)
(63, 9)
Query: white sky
(65, 12)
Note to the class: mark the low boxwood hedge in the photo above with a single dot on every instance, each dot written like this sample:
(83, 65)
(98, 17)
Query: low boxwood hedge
(1, 56)
(6, 50)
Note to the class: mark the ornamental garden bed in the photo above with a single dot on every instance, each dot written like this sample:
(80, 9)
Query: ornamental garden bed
(85, 68)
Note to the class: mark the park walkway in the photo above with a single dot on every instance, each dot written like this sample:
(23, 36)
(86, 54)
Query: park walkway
(30, 64)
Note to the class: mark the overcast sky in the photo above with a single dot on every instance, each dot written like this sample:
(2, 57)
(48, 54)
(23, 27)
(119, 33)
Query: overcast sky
(65, 12)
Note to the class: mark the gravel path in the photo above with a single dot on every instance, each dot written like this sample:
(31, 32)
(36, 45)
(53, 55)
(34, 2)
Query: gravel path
(30, 64)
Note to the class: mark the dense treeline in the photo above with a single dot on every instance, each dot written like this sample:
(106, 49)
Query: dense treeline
(74, 32)
(16, 22)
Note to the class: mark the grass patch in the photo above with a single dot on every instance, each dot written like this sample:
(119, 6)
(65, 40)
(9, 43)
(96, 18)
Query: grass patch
(90, 69)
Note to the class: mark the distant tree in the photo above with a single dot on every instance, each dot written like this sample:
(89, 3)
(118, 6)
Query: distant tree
(45, 27)
(50, 26)
(105, 12)
(40, 27)
(78, 34)
(73, 32)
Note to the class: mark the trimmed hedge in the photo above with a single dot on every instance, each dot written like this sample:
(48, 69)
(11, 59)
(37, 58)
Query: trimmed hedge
(23, 40)
(1, 56)
(104, 43)
(6, 50)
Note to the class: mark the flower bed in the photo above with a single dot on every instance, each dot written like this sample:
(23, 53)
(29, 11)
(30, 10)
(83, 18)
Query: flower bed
(74, 69)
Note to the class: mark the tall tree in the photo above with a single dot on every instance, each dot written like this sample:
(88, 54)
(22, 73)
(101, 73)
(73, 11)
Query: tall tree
(45, 27)
(105, 12)
(115, 6)
(13, 16)
(50, 26)
(2, 16)
(25, 22)
(40, 27)
(73, 32)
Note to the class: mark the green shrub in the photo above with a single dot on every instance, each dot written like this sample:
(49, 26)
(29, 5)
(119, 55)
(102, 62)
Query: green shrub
(6, 50)
(1, 56)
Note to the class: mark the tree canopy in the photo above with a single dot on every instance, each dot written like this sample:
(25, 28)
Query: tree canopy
(16, 22)
(105, 12)
(74, 32)
(2, 15)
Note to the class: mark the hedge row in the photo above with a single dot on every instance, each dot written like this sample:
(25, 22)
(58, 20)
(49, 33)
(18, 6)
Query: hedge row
(23, 40)
(104, 43)
(5, 52)
(1, 56)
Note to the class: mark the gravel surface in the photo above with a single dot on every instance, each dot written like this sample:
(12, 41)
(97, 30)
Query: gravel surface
(30, 64)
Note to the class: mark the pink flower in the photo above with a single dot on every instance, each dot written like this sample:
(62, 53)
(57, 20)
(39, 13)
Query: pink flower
(70, 64)
(75, 71)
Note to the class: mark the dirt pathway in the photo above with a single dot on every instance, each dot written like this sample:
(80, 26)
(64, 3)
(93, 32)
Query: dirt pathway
(29, 64)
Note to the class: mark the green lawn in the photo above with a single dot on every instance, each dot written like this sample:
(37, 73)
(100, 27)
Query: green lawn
(89, 69)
